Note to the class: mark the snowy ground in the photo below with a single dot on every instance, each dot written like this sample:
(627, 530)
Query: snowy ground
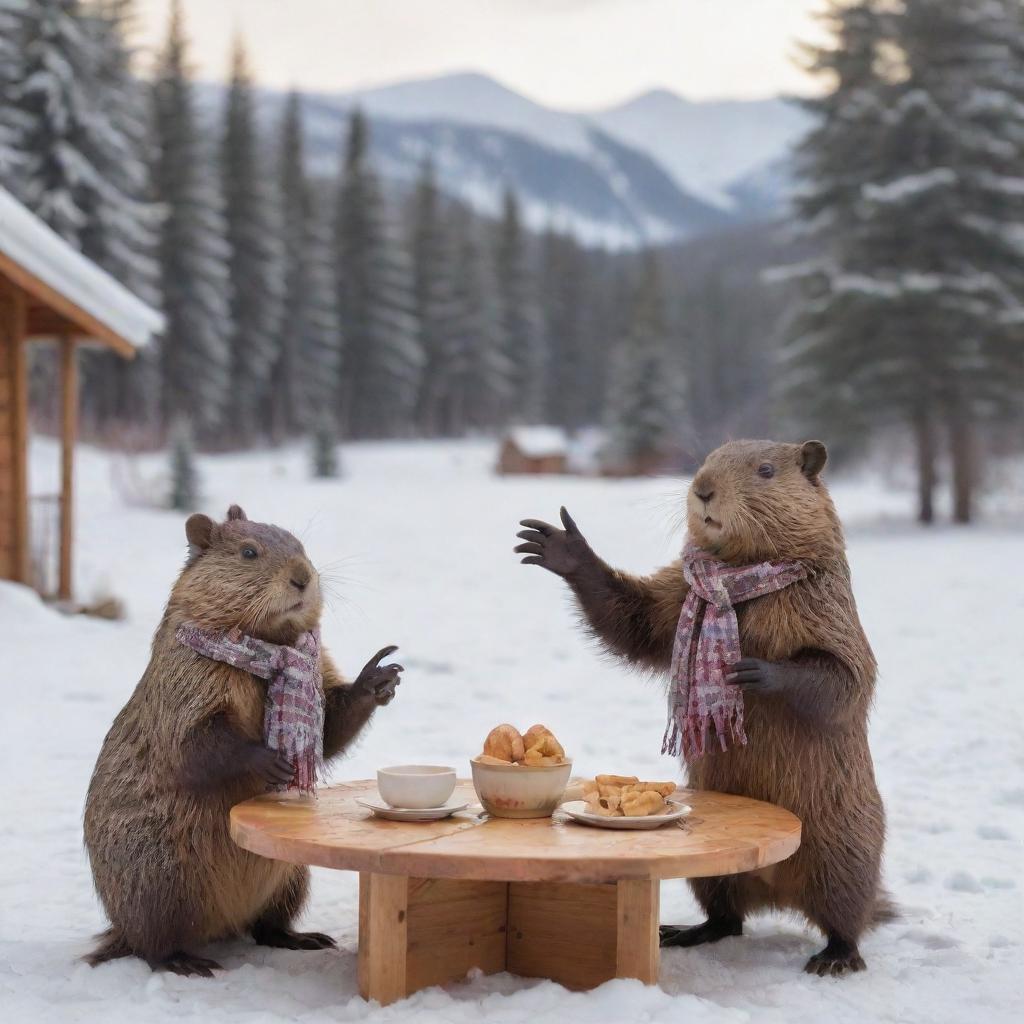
(417, 542)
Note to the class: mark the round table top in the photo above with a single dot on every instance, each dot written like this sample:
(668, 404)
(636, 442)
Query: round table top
(723, 835)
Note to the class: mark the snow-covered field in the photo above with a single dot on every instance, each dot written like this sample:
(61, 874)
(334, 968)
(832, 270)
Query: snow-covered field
(416, 541)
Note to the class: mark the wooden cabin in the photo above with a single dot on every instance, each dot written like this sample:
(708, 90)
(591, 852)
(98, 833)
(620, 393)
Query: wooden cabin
(534, 450)
(50, 294)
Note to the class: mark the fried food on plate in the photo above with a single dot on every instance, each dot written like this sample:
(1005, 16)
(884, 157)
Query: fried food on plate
(626, 796)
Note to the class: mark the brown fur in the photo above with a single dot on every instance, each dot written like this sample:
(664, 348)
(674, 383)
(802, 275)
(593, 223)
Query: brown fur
(816, 765)
(166, 870)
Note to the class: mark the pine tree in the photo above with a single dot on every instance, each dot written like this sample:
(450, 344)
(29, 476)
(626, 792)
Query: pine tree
(434, 284)
(383, 357)
(564, 299)
(184, 494)
(251, 215)
(914, 193)
(484, 378)
(13, 40)
(55, 101)
(122, 224)
(195, 351)
(306, 377)
(521, 324)
(642, 400)
(325, 446)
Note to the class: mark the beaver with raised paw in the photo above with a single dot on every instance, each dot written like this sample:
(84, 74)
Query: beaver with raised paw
(190, 743)
(796, 695)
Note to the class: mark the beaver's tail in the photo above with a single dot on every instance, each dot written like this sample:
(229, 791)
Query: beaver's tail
(112, 946)
(885, 910)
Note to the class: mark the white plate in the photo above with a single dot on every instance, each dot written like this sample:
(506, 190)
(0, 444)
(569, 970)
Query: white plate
(577, 810)
(383, 810)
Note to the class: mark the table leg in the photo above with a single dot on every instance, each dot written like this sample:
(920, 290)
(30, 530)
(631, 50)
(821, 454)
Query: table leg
(638, 952)
(418, 932)
(584, 935)
(383, 925)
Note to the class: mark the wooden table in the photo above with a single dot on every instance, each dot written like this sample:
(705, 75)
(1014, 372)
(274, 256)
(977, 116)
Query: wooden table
(541, 897)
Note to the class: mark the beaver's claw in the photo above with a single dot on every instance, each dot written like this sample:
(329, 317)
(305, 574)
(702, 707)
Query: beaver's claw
(563, 552)
(379, 681)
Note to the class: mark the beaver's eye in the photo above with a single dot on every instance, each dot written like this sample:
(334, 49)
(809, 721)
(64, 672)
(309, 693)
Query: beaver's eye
(250, 552)
(766, 470)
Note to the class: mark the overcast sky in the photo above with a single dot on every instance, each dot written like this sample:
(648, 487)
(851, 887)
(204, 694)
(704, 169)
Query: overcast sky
(569, 53)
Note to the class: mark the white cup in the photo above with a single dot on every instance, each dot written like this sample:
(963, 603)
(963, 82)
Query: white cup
(416, 785)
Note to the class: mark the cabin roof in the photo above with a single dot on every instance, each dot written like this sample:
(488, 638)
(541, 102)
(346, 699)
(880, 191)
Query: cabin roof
(539, 442)
(67, 293)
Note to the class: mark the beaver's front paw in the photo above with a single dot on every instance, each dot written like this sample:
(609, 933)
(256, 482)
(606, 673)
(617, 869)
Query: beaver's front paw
(378, 682)
(757, 676)
(271, 766)
(565, 552)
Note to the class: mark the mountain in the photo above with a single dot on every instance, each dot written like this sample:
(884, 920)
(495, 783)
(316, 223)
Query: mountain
(709, 147)
(658, 168)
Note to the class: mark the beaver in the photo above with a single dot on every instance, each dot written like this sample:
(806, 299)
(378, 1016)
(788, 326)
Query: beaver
(807, 675)
(189, 744)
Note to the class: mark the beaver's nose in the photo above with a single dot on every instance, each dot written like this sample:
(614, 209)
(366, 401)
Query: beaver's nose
(300, 578)
(705, 495)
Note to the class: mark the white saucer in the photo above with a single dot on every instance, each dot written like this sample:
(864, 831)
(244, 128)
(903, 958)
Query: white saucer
(383, 810)
(577, 810)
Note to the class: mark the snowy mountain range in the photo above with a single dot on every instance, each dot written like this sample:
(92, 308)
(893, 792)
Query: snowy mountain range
(656, 168)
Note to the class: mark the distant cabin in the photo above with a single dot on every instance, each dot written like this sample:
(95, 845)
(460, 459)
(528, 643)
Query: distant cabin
(50, 293)
(533, 450)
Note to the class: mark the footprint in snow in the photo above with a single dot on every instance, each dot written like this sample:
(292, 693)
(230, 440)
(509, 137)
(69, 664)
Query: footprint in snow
(992, 832)
(963, 881)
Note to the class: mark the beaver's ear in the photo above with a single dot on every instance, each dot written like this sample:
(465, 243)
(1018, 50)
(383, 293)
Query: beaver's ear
(813, 456)
(235, 512)
(199, 531)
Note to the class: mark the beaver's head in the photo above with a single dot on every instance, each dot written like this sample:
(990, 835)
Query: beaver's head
(248, 575)
(758, 500)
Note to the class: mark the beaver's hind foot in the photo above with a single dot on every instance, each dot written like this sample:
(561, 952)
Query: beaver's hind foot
(187, 965)
(713, 929)
(285, 938)
(837, 958)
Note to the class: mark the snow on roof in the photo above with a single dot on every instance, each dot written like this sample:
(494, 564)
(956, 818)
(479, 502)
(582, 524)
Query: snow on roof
(539, 442)
(35, 247)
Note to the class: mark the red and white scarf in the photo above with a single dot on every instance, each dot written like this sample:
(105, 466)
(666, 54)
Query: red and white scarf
(293, 722)
(708, 642)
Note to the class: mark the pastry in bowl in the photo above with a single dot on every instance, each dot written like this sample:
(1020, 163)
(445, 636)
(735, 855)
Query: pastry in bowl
(520, 776)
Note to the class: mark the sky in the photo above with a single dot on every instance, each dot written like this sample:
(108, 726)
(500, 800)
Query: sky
(575, 54)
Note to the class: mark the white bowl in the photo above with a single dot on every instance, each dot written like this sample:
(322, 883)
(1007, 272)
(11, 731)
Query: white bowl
(416, 785)
(520, 791)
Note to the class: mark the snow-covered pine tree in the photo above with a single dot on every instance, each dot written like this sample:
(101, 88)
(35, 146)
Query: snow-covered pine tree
(121, 229)
(913, 191)
(383, 357)
(484, 379)
(251, 213)
(195, 350)
(13, 26)
(643, 391)
(54, 100)
(437, 307)
(309, 359)
(521, 323)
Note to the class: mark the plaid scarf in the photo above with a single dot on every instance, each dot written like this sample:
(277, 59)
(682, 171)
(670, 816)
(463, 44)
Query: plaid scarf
(707, 642)
(293, 722)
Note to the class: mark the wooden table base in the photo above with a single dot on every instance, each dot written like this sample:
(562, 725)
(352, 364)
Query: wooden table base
(417, 932)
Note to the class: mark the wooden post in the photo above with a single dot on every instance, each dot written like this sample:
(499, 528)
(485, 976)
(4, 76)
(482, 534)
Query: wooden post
(69, 419)
(16, 332)
(637, 949)
(383, 937)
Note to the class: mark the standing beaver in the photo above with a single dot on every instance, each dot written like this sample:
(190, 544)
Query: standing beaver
(189, 744)
(807, 679)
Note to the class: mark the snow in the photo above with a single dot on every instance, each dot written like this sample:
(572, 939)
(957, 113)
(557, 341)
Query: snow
(25, 239)
(910, 186)
(539, 441)
(416, 547)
